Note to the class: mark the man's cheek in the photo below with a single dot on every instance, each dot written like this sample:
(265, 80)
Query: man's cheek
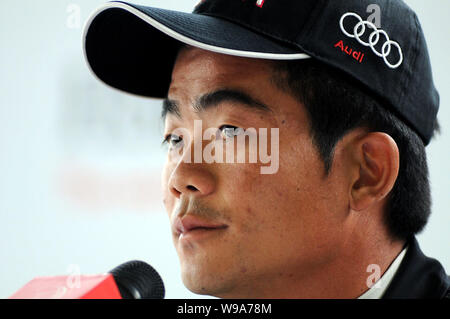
(167, 198)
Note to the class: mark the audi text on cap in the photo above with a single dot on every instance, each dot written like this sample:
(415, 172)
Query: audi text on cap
(133, 47)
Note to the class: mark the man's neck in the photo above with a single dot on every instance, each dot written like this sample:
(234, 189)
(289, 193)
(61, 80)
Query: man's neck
(361, 260)
(348, 276)
(351, 274)
(378, 288)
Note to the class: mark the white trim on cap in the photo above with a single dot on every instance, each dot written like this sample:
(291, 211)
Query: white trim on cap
(161, 27)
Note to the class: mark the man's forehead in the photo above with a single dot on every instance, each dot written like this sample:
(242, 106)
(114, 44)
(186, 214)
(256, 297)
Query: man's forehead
(192, 53)
(200, 60)
(200, 70)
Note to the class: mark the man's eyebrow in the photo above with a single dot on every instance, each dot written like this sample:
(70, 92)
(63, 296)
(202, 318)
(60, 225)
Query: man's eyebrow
(170, 107)
(213, 99)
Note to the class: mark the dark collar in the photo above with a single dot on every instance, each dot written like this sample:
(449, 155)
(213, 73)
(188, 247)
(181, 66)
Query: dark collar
(418, 276)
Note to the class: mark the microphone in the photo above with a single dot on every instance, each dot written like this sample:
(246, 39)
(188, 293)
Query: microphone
(131, 280)
(138, 280)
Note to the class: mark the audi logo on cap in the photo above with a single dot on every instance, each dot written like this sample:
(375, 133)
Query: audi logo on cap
(374, 38)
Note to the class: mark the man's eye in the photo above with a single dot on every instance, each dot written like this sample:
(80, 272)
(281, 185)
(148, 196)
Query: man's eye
(173, 140)
(229, 131)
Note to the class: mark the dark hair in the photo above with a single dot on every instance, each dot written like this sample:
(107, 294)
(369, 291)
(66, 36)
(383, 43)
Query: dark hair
(336, 104)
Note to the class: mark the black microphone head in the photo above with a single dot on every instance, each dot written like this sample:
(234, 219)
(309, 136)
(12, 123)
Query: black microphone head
(138, 280)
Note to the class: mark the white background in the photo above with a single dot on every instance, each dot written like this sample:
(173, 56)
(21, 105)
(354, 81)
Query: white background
(80, 162)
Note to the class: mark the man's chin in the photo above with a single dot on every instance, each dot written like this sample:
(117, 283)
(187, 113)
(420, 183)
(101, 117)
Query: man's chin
(205, 283)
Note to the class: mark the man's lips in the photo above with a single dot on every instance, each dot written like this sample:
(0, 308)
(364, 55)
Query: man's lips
(189, 223)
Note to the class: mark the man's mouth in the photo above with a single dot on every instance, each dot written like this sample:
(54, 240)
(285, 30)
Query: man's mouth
(194, 227)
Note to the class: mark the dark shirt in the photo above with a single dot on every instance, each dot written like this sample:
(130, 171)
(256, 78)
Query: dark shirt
(418, 276)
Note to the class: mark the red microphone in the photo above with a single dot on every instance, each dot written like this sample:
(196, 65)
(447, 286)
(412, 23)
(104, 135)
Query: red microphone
(131, 280)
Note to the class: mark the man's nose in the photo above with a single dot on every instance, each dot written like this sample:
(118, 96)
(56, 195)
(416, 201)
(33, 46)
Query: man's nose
(189, 178)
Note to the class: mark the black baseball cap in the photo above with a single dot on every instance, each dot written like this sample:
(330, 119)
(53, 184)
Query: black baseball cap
(379, 43)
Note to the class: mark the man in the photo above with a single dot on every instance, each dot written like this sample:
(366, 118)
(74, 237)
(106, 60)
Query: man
(349, 119)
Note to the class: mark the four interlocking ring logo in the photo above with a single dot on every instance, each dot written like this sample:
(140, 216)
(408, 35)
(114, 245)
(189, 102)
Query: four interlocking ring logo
(374, 38)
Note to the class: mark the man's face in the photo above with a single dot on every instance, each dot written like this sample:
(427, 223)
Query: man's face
(240, 233)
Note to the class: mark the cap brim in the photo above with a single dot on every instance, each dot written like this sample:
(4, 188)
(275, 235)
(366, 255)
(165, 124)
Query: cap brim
(133, 48)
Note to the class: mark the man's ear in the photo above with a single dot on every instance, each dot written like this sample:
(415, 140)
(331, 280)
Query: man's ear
(375, 165)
